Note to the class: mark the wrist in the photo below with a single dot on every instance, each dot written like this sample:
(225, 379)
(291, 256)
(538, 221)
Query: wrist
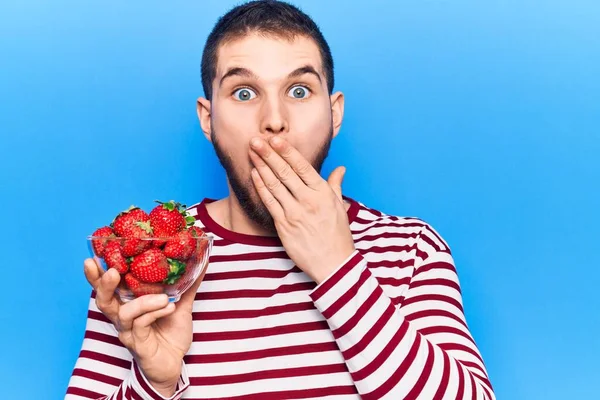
(165, 386)
(165, 389)
(319, 275)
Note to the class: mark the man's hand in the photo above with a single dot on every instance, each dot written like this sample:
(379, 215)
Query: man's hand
(308, 211)
(157, 333)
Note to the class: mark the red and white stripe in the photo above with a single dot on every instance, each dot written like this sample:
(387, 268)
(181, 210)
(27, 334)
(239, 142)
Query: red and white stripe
(387, 324)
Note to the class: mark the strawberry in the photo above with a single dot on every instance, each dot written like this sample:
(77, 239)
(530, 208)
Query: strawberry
(99, 244)
(192, 266)
(114, 258)
(151, 266)
(133, 247)
(167, 219)
(196, 231)
(133, 224)
(202, 244)
(181, 247)
(159, 244)
(141, 288)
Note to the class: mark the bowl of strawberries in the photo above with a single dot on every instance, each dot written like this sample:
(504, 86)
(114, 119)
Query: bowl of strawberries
(157, 252)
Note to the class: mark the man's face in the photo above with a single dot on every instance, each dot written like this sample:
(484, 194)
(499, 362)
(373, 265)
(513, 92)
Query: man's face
(264, 87)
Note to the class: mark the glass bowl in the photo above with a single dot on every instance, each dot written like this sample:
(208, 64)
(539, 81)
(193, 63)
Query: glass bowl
(153, 265)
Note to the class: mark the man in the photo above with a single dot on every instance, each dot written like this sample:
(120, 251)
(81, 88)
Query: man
(309, 293)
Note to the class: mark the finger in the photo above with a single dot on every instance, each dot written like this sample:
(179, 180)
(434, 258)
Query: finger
(335, 181)
(299, 164)
(141, 325)
(266, 197)
(93, 272)
(106, 298)
(281, 168)
(272, 183)
(138, 307)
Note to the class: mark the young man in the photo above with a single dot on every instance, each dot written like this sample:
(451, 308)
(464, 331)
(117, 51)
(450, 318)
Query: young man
(309, 294)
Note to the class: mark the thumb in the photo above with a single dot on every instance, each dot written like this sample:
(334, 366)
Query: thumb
(335, 181)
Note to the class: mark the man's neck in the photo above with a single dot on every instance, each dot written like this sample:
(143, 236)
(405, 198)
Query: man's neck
(228, 213)
(237, 220)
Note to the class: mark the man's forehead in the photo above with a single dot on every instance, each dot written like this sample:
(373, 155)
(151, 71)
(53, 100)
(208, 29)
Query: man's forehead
(268, 55)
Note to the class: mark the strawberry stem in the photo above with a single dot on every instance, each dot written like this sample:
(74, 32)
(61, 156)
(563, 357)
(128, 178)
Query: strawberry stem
(172, 205)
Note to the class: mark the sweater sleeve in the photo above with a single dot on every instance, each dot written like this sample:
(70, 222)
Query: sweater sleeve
(105, 369)
(415, 347)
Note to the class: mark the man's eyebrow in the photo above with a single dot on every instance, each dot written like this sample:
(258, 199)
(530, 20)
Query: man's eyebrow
(246, 73)
(307, 69)
(238, 71)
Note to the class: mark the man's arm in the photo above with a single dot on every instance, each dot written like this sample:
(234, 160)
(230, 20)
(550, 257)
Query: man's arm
(418, 346)
(105, 369)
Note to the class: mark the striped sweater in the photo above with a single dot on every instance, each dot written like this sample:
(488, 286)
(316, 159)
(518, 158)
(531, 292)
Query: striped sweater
(387, 324)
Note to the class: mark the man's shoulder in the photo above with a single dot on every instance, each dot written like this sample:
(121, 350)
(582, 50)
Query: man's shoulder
(368, 220)
(364, 213)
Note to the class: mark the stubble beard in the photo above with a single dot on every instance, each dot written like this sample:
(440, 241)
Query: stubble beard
(244, 189)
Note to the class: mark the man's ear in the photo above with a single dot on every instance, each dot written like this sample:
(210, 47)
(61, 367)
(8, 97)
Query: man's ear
(337, 111)
(203, 110)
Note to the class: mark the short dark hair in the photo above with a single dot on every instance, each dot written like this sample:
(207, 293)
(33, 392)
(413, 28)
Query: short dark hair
(269, 17)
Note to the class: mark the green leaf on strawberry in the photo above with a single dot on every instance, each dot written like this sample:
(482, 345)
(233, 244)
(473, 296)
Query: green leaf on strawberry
(145, 225)
(169, 206)
(176, 270)
(190, 221)
(172, 205)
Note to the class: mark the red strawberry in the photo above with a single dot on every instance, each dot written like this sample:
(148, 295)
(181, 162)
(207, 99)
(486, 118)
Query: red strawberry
(159, 244)
(141, 288)
(196, 258)
(133, 224)
(133, 247)
(181, 247)
(99, 244)
(114, 258)
(167, 219)
(196, 231)
(192, 265)
(202, 244)
(150, 266)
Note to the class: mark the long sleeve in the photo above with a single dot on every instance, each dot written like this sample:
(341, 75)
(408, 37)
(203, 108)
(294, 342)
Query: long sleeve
(105, 369)
(416, 345)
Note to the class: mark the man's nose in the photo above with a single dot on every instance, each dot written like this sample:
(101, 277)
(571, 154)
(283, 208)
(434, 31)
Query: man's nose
(274, 118)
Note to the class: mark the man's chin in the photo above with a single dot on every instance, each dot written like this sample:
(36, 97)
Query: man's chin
(246, 193)
(250, 203)
(258, 213)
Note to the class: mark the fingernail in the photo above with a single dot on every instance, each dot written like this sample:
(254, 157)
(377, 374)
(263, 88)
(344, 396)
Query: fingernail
(276, 140)
(159, 299)
(256, 142)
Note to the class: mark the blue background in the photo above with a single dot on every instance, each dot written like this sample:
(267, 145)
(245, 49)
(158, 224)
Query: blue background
(482, 118)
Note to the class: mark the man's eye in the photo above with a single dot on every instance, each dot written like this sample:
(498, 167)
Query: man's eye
(299, 92)
(244, 94)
